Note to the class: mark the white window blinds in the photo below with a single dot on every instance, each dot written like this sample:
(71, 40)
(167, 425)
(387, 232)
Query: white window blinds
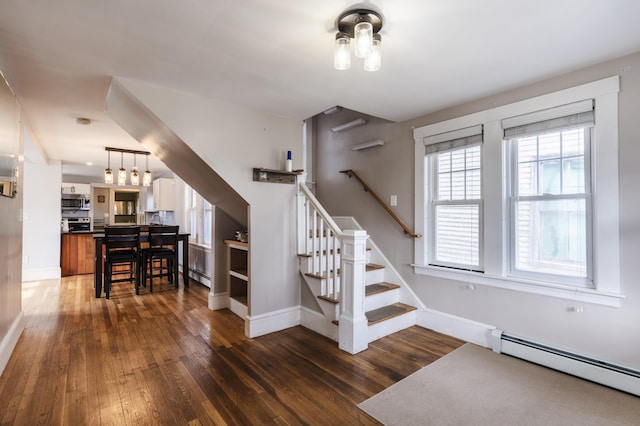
(452, 140)
(577, 114)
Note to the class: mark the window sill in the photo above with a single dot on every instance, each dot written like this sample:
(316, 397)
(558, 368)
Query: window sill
(573, 293)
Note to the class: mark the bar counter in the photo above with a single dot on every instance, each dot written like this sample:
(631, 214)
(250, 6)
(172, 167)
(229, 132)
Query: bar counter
(98, 238)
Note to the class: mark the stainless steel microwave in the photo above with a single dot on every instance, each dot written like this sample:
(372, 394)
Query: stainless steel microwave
(76, 202)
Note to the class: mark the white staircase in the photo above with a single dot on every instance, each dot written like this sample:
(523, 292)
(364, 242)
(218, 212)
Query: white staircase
(357, 297)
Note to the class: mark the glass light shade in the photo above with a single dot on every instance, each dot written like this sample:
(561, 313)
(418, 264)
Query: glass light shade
(122, 176)
(373, 61)
(146, 178)
(363, 35)
(135, 177)
(342, 54)
(108, 176)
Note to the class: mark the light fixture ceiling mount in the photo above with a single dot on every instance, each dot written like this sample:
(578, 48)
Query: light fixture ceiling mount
(363, 26)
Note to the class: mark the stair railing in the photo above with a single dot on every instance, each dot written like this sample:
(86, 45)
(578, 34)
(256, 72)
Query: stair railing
(395, 217)
(321, 238)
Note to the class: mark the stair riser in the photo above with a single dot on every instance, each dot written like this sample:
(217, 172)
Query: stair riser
(374, 276)
(390, 326)
(379, 300)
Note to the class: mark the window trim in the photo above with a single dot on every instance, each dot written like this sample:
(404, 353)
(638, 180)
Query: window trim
(606, 262)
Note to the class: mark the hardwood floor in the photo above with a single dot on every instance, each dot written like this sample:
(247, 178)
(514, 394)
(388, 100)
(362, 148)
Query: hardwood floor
(165, 358)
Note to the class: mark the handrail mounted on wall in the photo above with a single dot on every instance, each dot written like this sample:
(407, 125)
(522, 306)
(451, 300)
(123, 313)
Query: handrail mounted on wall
(366, 187)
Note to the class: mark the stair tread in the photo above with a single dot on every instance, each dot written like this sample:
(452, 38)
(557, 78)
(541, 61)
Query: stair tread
(386, 312)
(373, 267)
(330, 299)
(381, 287)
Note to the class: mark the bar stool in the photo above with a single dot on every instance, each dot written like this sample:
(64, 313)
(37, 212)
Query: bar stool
(122, 254)
(160, 259)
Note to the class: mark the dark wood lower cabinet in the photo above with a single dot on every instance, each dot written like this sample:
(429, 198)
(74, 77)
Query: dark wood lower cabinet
(76, 254)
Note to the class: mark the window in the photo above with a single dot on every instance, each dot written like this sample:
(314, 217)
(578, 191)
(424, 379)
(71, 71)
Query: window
(456, 203)
(531, 205)
(199, 217)
(550, 200)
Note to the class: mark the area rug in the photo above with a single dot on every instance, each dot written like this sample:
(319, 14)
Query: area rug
(475, 386)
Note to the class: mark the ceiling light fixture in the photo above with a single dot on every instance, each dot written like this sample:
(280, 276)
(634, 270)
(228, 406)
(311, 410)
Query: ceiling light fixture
(361, 25)
(84, 121)
(122, 173)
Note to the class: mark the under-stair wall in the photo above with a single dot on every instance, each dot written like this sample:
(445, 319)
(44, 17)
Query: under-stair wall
(231, 140)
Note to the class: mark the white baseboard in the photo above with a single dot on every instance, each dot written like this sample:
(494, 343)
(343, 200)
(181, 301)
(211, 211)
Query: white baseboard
(218, 301)
(258, 325)
(41, 274)
(9, 341)
(462, 328)
(316, 321)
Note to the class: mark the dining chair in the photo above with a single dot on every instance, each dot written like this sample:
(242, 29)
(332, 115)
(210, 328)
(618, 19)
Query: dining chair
(122, 256)
(160, 259)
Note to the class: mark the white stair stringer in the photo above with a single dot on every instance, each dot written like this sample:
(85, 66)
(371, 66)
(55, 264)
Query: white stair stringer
(407, 295)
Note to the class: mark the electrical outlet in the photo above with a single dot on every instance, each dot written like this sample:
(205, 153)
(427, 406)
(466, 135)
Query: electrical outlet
(394, 200)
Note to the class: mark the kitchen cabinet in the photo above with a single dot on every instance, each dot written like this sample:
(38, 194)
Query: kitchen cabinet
(76, 254)
(238, 276)
(76, 188)
(163, 195)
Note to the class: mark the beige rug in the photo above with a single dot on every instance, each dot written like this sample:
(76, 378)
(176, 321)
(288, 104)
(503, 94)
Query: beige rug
(475, 386)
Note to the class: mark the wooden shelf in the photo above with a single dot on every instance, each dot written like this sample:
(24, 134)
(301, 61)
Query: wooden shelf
(238, 276)
(275, 176)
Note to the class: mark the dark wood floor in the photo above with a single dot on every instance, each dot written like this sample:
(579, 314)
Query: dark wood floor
(164, 358)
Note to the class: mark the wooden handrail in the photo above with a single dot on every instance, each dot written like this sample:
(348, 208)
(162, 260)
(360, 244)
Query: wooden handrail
(366, 187)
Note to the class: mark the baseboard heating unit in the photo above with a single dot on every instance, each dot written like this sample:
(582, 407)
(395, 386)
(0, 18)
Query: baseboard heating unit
(604, 373)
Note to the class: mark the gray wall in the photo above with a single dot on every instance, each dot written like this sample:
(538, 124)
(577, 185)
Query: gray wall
(611, 334)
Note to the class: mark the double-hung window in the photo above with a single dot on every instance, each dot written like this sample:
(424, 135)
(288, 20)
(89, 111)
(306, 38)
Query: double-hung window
(524, 196)
(199, 217)
(455, 213)
(550, 193)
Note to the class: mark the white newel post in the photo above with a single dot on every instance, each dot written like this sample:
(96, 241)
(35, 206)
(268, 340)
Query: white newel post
(353, 322)
(302, 236)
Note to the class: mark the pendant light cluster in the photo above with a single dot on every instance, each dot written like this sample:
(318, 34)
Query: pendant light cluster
(361, 26)
(122, 172)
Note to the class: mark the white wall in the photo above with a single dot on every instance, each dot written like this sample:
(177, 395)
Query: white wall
(233, 140)
(41, 236)
(11, 315)
(610, 334)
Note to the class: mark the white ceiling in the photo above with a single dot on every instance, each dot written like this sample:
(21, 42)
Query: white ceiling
(277, 56)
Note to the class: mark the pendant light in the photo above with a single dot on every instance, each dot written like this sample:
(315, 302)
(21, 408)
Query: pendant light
(108, 173)
(122, 173)
(135, 178)
(146, 178)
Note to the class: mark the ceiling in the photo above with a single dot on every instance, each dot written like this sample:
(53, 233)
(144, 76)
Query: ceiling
(277, 57)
